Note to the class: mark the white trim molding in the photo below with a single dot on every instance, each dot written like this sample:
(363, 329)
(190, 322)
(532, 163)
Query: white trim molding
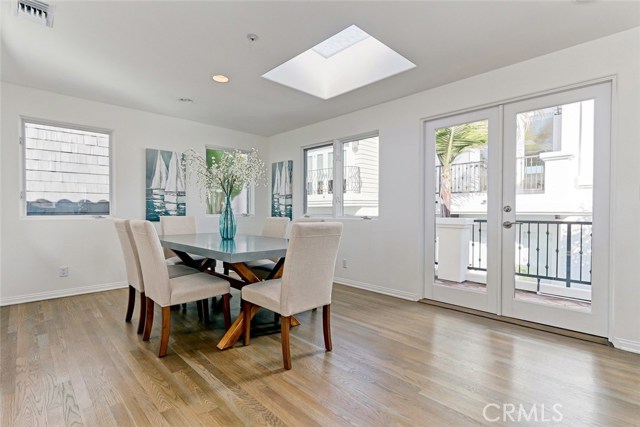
(626, 345)
(377, 289)
(40, 296)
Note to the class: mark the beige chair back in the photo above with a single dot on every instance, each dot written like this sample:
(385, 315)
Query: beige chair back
(309, 219)
(275, 227)
(154, 269)
(170, 225)
(131, 259)
(307, 279)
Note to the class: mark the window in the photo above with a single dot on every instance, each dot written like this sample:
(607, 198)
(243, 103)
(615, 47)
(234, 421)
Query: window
(348, 184)
(66, 170)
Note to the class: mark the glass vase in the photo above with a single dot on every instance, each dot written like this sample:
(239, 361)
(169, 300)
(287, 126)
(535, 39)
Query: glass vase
(227, 220)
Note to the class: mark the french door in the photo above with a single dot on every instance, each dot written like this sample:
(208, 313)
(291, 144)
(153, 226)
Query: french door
(521, 224)
(463, 228)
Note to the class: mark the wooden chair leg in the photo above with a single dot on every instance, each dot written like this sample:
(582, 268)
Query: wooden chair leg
(149, 321)
(226, 310)
(205, 310)
(166, 328)
(326, 326)
(286, 350)
(130, 304)
(143, 312)
(246, 310)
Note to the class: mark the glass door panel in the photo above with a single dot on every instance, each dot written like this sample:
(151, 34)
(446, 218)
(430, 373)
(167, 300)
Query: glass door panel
(462, 149)
(549, 221)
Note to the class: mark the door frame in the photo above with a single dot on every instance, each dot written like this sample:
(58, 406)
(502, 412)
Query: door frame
(428, 179)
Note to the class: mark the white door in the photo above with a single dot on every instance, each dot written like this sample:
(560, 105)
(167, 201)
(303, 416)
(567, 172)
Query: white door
(517, 209)
(463, 200)
(555, 209)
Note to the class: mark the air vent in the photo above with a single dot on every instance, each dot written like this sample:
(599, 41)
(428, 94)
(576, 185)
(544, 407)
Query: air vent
(36, 11)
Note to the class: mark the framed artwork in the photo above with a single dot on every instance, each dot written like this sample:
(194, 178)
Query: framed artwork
(240, 199)
(165, 185)
(281, 196)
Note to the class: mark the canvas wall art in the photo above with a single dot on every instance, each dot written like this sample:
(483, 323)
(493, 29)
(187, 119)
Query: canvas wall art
(281, 196)
(165, 185)
(215, 200)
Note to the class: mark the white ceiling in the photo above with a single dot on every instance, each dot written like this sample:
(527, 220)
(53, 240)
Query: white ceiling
(147, 54)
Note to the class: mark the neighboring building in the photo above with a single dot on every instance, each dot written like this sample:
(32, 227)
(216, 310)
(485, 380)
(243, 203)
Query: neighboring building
(359, 178)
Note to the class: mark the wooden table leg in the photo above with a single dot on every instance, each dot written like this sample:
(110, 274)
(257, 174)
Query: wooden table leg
(236, 330)
(234, 333)
(200, 265)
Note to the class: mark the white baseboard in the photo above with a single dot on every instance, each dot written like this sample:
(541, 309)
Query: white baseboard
(627, 345)
(378, 289)
(40, 296)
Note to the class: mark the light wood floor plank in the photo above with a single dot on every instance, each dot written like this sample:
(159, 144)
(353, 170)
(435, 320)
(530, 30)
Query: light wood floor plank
(75, 362)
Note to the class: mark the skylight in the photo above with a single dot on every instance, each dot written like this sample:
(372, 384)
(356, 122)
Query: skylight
(341, 41)
(346, 61)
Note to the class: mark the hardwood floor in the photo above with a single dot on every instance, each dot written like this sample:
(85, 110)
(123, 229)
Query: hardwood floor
(74, 361)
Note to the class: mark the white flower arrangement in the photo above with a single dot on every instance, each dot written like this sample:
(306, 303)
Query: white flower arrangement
(230, 172)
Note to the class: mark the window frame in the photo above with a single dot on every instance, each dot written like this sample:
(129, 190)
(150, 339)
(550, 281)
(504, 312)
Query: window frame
(305, 162)
(24, 120)
(337, 167)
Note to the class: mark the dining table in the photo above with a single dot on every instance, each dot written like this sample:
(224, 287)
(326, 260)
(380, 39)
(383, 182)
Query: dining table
(234, 254)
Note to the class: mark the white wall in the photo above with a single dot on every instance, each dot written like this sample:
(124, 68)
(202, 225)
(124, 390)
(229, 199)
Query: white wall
(386, 254)
(33, 248)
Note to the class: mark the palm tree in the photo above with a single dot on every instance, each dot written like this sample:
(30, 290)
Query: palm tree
(450, 142)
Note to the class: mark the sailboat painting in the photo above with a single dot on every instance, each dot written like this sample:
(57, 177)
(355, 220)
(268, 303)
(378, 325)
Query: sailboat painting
(165, 185)
(281, 182)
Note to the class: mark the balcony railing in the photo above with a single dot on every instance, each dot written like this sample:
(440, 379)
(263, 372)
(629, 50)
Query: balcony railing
(551, 250)
(530, 170)
(471, 177)
(468, 177)
(320, 181)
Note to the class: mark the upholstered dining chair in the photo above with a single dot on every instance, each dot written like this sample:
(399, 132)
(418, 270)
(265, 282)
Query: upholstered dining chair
(272, 227)
(306, 283)
(275, 227)
(309, 219)
(170, 225)
(134, 272)
(165, 291)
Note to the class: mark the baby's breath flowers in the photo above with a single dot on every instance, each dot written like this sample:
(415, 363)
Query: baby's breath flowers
(230, 173)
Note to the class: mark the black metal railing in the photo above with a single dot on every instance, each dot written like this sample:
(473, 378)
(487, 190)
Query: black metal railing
(320, 181)
(468, 177)
(551, 250)
(471, 177)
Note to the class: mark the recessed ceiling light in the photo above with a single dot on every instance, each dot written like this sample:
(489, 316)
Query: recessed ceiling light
(186, 100)
(220, 78)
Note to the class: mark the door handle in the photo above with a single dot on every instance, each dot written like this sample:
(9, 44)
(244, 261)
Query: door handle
(509, 224)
